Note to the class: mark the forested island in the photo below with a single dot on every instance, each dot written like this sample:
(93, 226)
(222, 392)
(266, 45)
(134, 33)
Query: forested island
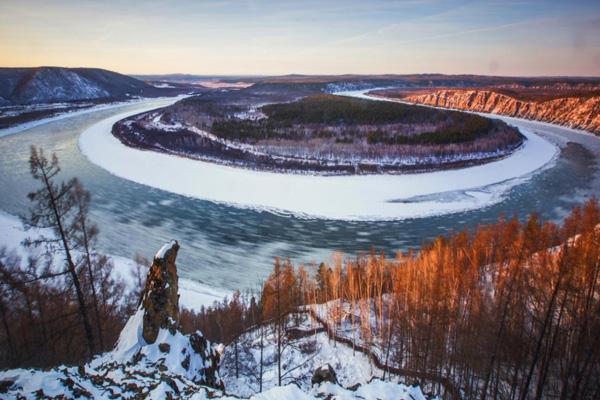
(319, 133)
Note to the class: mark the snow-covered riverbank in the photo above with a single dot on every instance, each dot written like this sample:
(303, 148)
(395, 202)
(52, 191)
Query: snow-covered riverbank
(68, 113)
(367, 197)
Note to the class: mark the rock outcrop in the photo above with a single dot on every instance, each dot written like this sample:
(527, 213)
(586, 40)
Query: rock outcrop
(160, 299)
(152, 358)
(575, 112)
(324, 373)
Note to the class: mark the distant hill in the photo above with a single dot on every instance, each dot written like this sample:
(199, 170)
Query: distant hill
(54, 84)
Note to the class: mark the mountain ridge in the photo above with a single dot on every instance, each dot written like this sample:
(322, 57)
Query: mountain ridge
(55, 84)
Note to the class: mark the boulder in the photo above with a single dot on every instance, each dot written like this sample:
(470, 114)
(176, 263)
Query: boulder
(324, 373)
(164, 347)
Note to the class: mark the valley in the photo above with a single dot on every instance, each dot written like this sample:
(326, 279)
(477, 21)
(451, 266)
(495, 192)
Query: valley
(300, 200)
(233, 219)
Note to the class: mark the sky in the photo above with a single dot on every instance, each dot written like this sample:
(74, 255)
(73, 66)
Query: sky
(221, 37)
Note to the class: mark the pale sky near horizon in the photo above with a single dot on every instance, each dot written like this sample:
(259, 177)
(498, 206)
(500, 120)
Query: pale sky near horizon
(510, 37)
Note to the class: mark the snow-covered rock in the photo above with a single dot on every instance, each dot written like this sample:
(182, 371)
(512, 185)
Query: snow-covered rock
(324, 373)
(174, 365)
(160, 300)
(152, 358)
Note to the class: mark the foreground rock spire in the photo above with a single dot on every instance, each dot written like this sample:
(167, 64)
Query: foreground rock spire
(160, 299)
(152, 358)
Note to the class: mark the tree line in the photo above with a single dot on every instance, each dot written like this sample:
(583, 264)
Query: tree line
(507, 311)
(321, 116)
(62, 304)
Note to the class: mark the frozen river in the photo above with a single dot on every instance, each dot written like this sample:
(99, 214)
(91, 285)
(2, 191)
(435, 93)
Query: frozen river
(230, 240)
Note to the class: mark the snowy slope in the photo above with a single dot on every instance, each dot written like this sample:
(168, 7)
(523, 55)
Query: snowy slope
(173, 365)
(300, 358)
(51, 84)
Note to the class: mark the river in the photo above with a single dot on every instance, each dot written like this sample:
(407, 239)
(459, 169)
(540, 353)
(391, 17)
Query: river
(229, 247)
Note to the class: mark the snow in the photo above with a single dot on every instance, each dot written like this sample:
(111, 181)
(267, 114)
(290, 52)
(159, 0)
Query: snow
(51, 383)
(345, 328)
(131, 341)
(116, 371)
(130, 338)
(133, 366)
(163, 250)
(300, 359)
(376, 389)
(192, 295)
(217, 84)
(162, 85)
(282, 393)
(156, 123)
(357, 197)
(32, 124)
(350, 368)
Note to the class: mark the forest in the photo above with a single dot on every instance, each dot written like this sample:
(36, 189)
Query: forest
(508, 311)
(387, 122)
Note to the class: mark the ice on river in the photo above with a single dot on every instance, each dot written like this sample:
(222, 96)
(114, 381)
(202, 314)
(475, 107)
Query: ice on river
(353, 197)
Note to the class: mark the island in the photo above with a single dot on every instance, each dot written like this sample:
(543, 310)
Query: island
(290, 131)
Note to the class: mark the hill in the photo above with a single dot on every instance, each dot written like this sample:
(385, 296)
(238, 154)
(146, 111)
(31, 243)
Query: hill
(572, 107)
(56, 84)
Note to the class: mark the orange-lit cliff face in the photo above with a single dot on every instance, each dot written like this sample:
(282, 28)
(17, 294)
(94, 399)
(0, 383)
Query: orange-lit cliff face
(576, 112)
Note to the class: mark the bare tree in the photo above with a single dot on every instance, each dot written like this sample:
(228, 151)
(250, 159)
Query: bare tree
(53, 207)
(85, 234)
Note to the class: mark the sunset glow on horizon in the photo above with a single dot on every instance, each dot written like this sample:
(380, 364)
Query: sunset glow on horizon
(314, 37)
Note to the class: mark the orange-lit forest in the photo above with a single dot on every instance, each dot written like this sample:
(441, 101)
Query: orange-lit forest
(508, 311)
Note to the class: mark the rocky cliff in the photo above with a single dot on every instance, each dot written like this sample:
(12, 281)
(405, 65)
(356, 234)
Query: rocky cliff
(576, 112)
